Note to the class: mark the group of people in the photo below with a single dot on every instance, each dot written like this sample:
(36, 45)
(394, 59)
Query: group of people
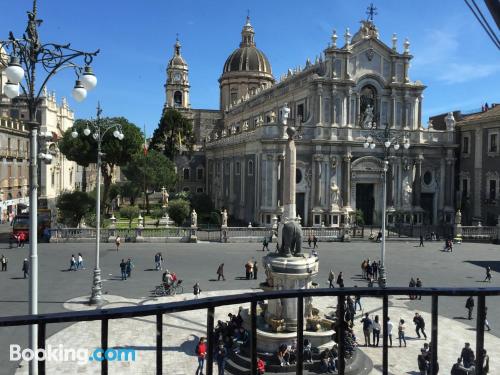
(448, 245)
(251, 269)
(331, 279)
(467, 363)
(76, 263)
(415, 284)
(126, 268)
(370, 270)
(20, 239)
(312, 240)
(424, 360)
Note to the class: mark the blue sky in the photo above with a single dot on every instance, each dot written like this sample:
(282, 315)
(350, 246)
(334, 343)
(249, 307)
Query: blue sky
(452, 54)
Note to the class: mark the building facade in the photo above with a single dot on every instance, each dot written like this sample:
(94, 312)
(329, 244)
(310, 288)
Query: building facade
(478, 193)
(336, 102)
(54, 178)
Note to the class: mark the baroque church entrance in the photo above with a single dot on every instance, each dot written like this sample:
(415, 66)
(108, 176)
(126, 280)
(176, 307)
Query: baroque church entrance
(365, 201)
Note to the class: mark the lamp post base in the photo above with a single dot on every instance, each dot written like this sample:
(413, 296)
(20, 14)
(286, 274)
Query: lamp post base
(382, 281)
(96, 296)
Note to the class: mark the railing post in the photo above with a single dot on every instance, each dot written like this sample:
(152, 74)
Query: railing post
(159, 344)
(300, 336)
(41, 345)
(253, 337)
(385, 337)
(434, 336)
(210, 338)
(341, 333)
(104, 346)
(481, 317)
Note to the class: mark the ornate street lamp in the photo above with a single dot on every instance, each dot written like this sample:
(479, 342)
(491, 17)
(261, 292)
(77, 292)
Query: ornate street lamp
(98, 128)
(388, 139)
(26, 55)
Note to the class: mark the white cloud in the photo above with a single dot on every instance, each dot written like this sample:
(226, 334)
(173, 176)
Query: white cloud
(459, 73)
(437, 47)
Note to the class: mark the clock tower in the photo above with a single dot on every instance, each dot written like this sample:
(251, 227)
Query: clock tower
(177, 86)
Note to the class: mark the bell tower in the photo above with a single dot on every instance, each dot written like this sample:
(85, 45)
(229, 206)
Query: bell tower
(177, 85)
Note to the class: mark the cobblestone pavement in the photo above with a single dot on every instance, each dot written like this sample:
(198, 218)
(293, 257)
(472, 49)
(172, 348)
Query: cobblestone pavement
(182, 331)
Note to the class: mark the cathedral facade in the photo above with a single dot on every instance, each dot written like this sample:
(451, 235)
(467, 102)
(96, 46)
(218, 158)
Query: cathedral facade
(356, 110)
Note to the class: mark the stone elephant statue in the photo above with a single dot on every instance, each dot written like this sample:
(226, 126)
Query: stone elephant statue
(291, 244)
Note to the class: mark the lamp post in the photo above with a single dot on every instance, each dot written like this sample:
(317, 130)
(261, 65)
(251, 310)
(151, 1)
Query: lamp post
(388, 139)
(98, 129)
(26, 54)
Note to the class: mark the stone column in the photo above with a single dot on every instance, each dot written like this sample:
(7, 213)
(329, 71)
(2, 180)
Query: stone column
(289, 180)
(281, 176)
(320, 103)
(417, 187)
(317, 180)
(448, 198)
(346, 186)
(393, 110)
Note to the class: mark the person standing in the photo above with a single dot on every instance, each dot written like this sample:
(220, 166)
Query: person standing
(123, 269)
(130, 265)
(421, 241)
(157, 261)
(201, 352)
(467, 356)
(315, 242)
(488, 274)
(4, 262)
(418, 284)
(486, 362)
(340, 280)
(220, 356)
(265, 244)
(248, 270)
(160, 260)
(220, 272)
(118, 240)
(469, 305)
(22, 239)
(376, 331)
(419, 325)
(357, 301)
(401, 332)
(255, 269)
(390, 326)
(309, 241)
(331, 279)
(367, 327)
(375, 270)
(26, 267)
(196, 290)
(423, 364)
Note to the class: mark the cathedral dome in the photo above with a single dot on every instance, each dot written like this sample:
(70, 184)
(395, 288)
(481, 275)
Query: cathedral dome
(248, 57)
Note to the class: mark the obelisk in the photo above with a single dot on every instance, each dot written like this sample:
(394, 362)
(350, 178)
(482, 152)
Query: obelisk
(289, 208)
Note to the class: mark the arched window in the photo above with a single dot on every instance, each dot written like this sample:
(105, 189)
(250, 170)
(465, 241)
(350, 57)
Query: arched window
(368, 106)
(178, 99)
(250, 168)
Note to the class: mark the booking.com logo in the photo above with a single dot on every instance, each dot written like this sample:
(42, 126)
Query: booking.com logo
(59, 353)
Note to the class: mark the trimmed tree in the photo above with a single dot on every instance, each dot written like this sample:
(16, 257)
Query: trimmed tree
(83, 150)
(178, 210)
(129, 212)
(73, 206)
(173, 135)
(150, 172)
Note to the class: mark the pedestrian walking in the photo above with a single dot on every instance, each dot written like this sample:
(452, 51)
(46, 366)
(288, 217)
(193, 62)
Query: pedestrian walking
(201, 353)
(161, 261)
(157, 261)
(469, 305)
(220, 356)
(331, 279)
(418, 284)
(315, 242)
(79, 262)
(220, 272)
(467, 356)
(357, 301)
(486, 362)
(72, 263)
(390, 326)
(375, 270)
(422, 362)
(22, 239)
(4, 261)
(196, 290)
(129, 267)
(367, 328)
(123, 269)
(265, 244)
(488, 274)
(401, 332)
(118, 240)
(421, 241)
(255, 269)
(376, 331)
(419, 322)
(340, 280)
(26, 267)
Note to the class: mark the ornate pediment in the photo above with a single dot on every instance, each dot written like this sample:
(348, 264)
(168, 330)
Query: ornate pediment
(367, 164)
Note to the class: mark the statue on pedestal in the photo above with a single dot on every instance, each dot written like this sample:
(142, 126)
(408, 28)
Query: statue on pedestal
(164, 197)
(458, 217)
(194, 219)
(291, 239)
(334, 194)
(224, 218)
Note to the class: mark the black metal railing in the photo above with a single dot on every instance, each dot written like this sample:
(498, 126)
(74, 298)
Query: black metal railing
(104, 315)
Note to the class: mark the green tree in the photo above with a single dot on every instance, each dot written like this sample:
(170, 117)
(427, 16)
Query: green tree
(173, 135)
(150, 172)
(73, 206)
(129, 190)
(129, 212)
(83, 149)
(178, 210)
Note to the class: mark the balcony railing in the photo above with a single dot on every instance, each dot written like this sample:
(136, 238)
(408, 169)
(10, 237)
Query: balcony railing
(210, 304)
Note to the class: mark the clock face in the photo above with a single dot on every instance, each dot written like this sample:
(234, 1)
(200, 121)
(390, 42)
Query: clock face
(177, 77)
